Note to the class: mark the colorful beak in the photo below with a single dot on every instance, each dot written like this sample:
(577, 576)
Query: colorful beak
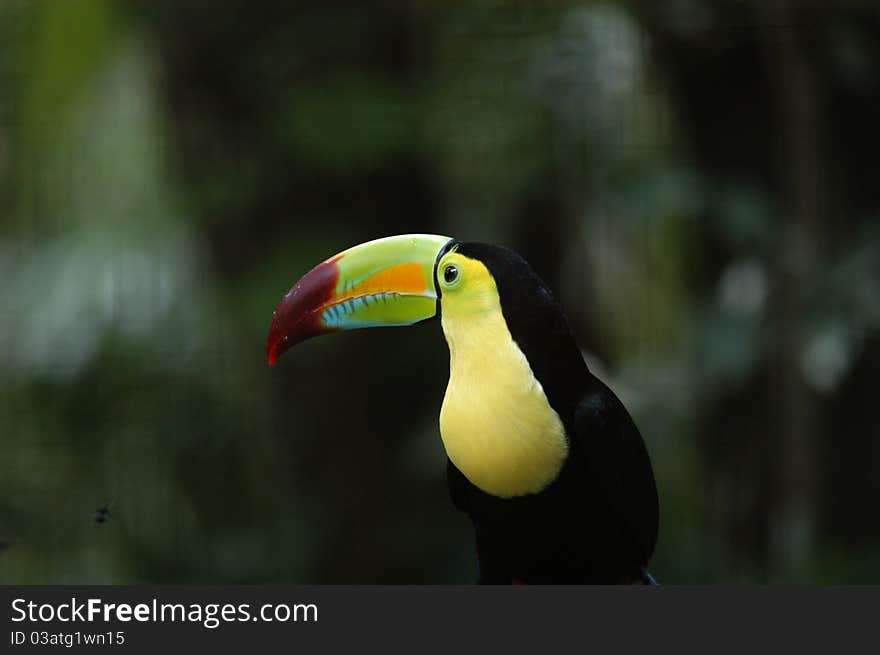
(387, 282)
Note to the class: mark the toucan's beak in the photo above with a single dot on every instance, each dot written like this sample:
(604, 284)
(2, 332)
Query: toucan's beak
(384, 282)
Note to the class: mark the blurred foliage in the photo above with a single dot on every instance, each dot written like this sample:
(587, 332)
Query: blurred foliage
(698, 184)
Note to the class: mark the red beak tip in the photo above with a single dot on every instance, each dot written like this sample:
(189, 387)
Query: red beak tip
(272, 354)
(275, 348)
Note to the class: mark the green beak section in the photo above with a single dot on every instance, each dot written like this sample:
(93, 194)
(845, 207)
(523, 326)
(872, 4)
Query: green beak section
(387, 282)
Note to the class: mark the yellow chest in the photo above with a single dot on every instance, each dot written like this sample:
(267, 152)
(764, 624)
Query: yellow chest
(496, 423)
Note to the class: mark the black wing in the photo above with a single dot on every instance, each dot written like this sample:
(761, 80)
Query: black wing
(616, 461)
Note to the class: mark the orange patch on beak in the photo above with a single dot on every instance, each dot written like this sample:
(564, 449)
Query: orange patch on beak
(403, 278)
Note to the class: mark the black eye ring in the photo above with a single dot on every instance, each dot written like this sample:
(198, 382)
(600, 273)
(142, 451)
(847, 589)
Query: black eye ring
(450, 273)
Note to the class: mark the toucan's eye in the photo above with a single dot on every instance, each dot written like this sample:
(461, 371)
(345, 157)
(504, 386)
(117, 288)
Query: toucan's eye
(450, 274)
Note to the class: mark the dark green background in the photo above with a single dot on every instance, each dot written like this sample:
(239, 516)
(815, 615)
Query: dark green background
(699, 184)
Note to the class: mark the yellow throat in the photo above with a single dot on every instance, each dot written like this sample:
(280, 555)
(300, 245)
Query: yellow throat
(496, 423)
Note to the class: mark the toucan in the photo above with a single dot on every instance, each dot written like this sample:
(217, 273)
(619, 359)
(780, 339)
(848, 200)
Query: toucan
(542, 456)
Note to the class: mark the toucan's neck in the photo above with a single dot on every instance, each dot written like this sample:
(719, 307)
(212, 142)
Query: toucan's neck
(497, 425)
